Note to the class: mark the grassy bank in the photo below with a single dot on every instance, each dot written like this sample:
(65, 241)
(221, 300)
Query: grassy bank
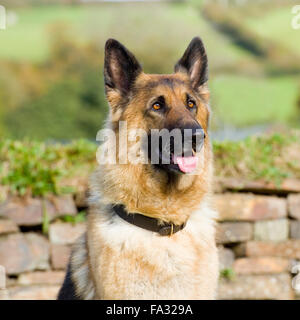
(37, 168)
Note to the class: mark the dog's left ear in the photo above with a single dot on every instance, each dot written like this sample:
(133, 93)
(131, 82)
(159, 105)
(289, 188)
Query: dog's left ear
(120, 67)
(194, 63)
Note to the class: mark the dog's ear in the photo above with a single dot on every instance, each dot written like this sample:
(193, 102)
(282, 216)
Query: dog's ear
(194, 63)
(120, 68)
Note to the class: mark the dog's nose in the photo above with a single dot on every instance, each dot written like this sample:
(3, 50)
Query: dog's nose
(198, 138)
(193, 137)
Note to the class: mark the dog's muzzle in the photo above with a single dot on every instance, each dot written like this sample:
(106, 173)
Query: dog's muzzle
(176, 149)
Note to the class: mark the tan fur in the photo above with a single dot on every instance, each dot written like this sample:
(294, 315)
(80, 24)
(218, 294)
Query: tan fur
(117, 260)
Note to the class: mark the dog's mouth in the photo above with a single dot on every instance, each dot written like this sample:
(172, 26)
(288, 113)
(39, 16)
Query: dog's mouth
(170, 159)
(183, 163)
(176, 153)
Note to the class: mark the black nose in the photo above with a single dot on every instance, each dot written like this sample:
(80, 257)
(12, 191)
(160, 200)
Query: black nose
(198, 138)
(193, 136)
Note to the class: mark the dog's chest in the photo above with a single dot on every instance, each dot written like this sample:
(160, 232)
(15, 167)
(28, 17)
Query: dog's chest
(133, 263)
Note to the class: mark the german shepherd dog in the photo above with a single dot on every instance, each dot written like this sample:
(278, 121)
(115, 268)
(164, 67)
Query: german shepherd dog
(150, 228)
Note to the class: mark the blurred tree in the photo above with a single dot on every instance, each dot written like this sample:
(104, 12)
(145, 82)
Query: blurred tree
(73, 104)
(63, 113)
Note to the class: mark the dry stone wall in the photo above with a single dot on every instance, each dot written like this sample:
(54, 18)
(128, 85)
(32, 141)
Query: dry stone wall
(258, 237)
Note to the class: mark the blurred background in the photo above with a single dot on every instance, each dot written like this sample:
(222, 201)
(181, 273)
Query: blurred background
(51, 60)
(52, 96)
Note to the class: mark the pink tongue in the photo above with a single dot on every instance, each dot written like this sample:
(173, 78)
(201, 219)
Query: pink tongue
(186, 164)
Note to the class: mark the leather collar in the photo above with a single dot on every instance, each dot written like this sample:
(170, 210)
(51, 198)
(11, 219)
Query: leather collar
(151, 224)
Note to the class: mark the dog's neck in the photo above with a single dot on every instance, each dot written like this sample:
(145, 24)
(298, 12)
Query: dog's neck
(157, 194)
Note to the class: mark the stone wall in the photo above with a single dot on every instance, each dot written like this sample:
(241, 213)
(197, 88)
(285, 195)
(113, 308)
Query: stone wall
(258, 238)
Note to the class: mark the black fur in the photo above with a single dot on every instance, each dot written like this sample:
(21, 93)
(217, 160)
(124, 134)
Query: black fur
(194, 63)
(67, 291)
(120, 67)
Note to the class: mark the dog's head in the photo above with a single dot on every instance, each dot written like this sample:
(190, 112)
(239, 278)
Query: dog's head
(175, 105)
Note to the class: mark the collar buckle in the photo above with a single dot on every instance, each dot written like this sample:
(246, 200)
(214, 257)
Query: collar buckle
(167, 230)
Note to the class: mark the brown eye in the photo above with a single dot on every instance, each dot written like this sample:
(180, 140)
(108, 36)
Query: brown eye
(156, 106)
(191, 104)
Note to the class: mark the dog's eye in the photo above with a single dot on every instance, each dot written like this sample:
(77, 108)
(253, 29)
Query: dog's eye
(191, 104)
(156, 106)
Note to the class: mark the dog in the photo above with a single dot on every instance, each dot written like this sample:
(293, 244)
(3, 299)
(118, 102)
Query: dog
(150, 227)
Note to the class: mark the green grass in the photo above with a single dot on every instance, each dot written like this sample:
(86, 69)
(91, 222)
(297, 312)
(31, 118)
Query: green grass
(35, 168)
(149, 25)
(243, 101)
(270, 157)
(276, 25)
(79, 217)
(227, 274)
(28, 40)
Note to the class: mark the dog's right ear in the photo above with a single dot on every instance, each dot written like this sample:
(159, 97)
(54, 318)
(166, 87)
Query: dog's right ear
(120, 68)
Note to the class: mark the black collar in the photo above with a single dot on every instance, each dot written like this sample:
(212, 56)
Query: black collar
(151, 224)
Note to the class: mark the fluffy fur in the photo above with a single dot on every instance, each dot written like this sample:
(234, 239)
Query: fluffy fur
(117, 260)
